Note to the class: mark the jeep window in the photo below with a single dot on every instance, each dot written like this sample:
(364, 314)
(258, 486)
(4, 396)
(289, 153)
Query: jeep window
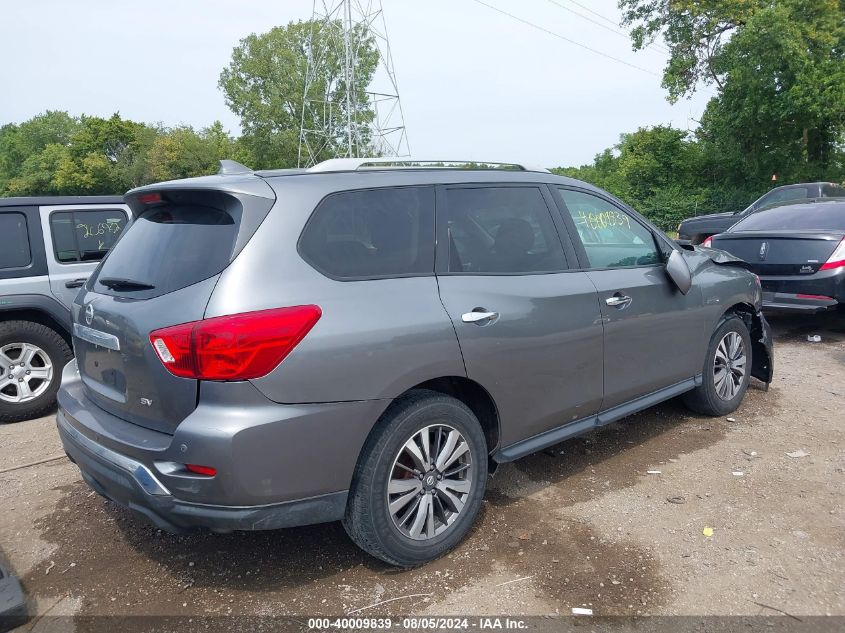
(85, 235)
(14, 241)
(501, 230)
(372, 233)
(168, 248)
(611, 237)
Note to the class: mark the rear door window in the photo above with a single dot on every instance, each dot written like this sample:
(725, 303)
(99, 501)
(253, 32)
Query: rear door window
(169, 248)
(501, 230)
(85, 235)
(611, 237)
(14, 241)
(371, 234)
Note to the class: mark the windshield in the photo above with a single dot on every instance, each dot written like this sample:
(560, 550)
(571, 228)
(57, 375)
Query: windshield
(822, 216)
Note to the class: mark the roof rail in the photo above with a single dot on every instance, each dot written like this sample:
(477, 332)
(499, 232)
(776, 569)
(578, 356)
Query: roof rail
(361, 164)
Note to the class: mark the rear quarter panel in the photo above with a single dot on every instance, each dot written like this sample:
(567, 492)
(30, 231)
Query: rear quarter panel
(375, 338)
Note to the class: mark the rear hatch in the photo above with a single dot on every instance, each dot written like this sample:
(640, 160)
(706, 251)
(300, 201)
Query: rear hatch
(161, 272)
(780, 253)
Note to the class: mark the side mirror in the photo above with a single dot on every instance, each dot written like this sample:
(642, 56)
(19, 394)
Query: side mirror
(678, 271)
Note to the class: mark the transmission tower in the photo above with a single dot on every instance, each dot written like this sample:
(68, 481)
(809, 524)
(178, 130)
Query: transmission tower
(340, 117)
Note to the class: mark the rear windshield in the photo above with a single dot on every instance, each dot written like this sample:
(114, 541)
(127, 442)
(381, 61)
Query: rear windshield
(823, 216)
(169, 248)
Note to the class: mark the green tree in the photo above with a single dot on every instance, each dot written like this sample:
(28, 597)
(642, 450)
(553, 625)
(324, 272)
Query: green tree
(656, 170)
(779, 71)
(57, 154)
(22, 163)
(264, 85)
(98, 156)
(183, 152)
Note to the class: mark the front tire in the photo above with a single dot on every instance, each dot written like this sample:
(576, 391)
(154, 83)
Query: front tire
(727, 368)
(419, 482)
(32, 357)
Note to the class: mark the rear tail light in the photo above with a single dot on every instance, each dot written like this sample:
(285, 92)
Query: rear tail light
(837, 259)
(235, 347)
(814, 297)
(196, 469)
(708, 242)
(149, 198)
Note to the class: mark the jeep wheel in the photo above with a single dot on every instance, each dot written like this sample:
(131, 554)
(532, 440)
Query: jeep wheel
(32, 357)
(726, 370)
(419, 482)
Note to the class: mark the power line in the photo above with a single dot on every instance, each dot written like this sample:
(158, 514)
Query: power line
(564, 38)
(615, 30)
(596, 13)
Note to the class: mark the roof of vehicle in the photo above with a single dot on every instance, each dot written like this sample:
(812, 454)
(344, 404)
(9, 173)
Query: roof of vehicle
(237, 178)
(804, 184)
(58, 200)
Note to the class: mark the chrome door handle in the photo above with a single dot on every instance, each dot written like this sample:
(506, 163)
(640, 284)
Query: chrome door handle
(479, 318)
(618, 301)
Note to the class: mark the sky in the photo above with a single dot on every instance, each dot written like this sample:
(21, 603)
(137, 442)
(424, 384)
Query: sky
(474, 84)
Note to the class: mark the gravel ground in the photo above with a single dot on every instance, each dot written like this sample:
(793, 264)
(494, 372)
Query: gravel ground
(579, 525)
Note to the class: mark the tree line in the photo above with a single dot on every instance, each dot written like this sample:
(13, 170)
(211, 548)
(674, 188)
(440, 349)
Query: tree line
(776, 69)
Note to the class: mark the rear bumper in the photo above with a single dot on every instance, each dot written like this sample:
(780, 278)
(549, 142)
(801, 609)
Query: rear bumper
(805, 293)
(797, 302)
(277, 465)
(131, 484)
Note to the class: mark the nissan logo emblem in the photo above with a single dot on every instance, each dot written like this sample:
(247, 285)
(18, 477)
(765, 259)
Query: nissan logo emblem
(89, 313)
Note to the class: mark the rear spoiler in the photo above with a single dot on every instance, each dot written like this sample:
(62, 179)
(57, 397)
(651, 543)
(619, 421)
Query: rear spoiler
(230, 180)
(243, 195)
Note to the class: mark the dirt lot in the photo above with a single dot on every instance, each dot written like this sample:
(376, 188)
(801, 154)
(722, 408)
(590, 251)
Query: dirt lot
(582, 524)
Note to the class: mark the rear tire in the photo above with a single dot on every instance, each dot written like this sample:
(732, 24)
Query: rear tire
(727, 368)
(387, 514)
(27, 350)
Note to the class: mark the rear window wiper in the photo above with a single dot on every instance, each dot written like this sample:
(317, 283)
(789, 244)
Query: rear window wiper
(115, 283)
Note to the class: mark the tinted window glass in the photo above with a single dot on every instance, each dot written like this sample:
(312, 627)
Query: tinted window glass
(784, 195)
(501, 230)
(611, 237)
(85, 236)
(372, 233)
(822, 216)
(170, 248)
(833, 191)
(14, 241)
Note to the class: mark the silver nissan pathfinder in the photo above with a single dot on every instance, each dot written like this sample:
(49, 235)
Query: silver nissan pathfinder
(366, 339)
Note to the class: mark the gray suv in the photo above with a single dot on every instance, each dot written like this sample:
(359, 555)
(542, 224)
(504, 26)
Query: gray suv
(48, 247)
(367, 339)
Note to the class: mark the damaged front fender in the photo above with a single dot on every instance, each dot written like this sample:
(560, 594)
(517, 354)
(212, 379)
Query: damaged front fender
(762, 349)
(723, 258)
